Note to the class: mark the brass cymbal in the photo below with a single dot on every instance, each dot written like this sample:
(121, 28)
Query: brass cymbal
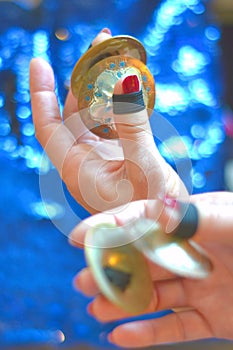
(180, 256)
(95, 95)
(116, 256)
(121, 271)
(95, 75)
(116, 46)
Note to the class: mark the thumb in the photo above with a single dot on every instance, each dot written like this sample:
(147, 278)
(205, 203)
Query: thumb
(145, 167)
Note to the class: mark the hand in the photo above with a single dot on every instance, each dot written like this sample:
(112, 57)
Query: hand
(205, 307)
(99, 173)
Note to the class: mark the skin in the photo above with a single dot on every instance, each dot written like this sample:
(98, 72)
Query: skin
(116, 172)
(204, 307)
(131, 171)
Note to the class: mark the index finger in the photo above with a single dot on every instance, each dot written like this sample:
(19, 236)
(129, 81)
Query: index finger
(54, 137)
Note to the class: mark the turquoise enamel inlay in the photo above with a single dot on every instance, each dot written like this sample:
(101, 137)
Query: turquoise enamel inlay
(98, 94)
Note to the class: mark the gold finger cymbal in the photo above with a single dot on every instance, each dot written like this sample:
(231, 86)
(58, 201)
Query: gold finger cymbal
(95, 75)
(180, 256)
(120, 270)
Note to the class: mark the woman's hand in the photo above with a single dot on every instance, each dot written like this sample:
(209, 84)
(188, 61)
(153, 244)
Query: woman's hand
(204, 307)
(99, 173)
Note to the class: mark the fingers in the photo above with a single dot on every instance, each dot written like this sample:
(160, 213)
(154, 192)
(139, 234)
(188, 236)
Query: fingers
(54, 137)
(104, 34)
(172, 328)
(85, 281)
(167, 295)
(215, 217)
(119, 215)
(156, 210)
(146, 168)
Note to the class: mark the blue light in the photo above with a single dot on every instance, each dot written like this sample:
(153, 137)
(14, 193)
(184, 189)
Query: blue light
(23, 112)
(171, 98)
(198, 131)
(41, 44)
(176, 147)
(28, 129)
(198, 180)
(206, 149)
(212, 33)
(190, 61)
(22, 96)
(198, 9)
(46, 210)
(5, 127)
(200, 92)
(216, 134)
(2, 100)
(9, 144)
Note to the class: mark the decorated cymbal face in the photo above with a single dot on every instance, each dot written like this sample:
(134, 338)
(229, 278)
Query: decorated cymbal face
(121, 272)
(95, 75)
(122, 45)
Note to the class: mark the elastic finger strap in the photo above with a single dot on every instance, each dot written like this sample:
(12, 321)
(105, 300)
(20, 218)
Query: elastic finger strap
(128, 103)
(189, 223)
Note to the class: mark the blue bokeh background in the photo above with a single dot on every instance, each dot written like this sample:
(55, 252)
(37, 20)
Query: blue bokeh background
(37, 301)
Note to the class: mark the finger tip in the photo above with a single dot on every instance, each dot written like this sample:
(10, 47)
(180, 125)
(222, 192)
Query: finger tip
(35, 61)
(110, 338)
(119, 87)
(76, 236)
(106, 30)
(117, 339)
(74, 242)
(102, 36)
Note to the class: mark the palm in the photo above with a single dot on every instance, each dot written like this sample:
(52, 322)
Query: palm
(203, 308)
(100, 174)
(212, 299)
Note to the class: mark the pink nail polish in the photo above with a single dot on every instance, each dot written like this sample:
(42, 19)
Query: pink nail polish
(130, 84)
(170, 202)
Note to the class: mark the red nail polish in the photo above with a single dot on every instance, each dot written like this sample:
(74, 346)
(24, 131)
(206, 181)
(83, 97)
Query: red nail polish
(130, 84)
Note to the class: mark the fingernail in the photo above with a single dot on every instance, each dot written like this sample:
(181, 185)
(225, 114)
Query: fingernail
(170, 202)
(130, 84)
(106, 30)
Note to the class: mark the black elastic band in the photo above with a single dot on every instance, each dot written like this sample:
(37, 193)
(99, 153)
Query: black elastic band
(128, 103)
(189, 223)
